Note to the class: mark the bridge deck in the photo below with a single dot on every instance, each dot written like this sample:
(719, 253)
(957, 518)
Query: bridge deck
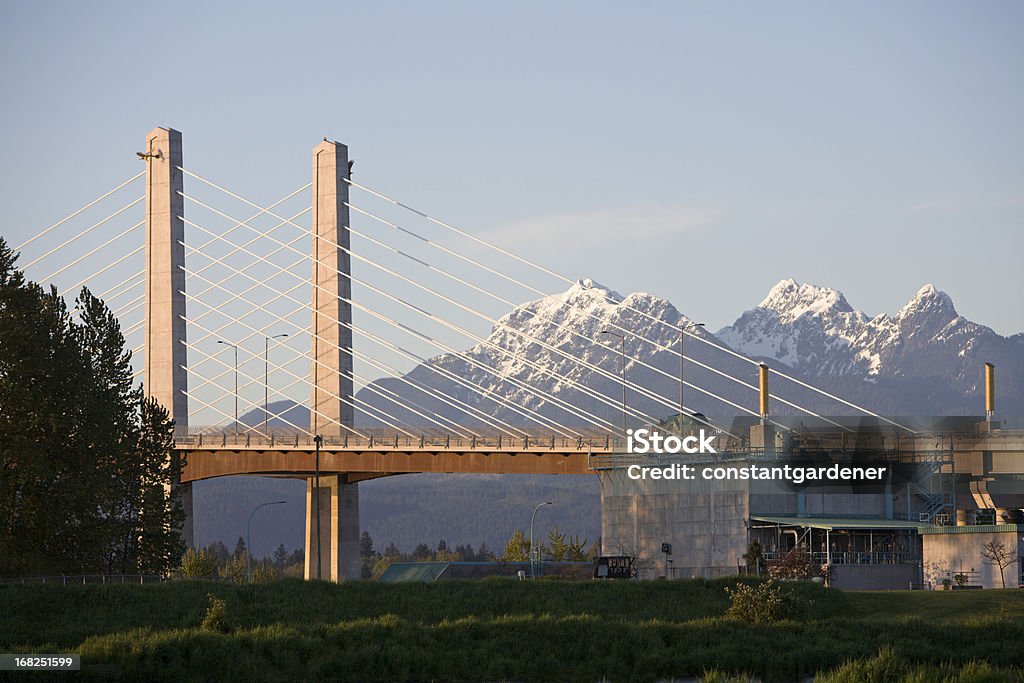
(375, 455)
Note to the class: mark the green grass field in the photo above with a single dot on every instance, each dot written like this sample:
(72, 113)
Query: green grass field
(505, 630)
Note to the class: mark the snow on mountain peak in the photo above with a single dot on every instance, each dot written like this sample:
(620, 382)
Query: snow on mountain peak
(790, 300)
(931, 301)
(588, 289)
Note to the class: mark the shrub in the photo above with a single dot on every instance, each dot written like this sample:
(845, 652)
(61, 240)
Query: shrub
(263, 572)
(198, 563)
(764, 603)
(796, 564)
(216, 619)
(235, 570)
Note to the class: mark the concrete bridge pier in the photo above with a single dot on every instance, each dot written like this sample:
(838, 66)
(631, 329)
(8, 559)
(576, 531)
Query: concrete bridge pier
(332, 411)
(339, 529)
(165, 377)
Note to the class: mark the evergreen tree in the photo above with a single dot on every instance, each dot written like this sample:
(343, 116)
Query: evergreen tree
(422, 552)
(220, 551)
(559, 548)
(239, 548)
(85, 460)
(281, 557)
(392, 551)
(576, 551)
(366, 546)
(517, 549)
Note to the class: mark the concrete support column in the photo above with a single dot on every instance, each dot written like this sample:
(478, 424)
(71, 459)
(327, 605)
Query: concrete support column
(165, 377)
(339, 529)
(332, 342)
(331, 408)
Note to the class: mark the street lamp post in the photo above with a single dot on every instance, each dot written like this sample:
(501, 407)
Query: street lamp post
(533, 518)
(622, 347)
(682, 336)
(235, 347)
(266, 382)
(248, 540)
(317, 440)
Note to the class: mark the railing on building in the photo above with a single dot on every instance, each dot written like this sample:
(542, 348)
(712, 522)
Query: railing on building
(853, 557)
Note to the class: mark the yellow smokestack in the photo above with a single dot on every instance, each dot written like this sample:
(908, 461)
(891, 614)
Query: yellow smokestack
(764, 389)
(990, 390)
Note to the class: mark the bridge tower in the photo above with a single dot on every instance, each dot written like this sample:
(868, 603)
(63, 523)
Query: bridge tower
(331, 401)
(165, 377)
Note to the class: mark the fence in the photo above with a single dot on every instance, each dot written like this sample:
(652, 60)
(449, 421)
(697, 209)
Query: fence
(82, 579)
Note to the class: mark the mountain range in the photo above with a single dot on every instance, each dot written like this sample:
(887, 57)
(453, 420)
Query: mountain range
(925, 359)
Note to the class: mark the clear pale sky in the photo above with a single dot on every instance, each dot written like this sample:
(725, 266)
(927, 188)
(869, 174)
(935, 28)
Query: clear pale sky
(697, 151)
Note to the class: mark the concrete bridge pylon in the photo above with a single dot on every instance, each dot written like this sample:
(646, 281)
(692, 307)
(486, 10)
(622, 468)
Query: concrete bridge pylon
(332, 503)
(166, 379)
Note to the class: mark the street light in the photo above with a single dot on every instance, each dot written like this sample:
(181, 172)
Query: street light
(682, 336)
(533, 518)
(235, 347)
(248, 541)
(622, 346)
(266, 381)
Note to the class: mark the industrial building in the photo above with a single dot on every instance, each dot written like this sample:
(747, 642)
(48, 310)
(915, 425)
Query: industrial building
(953, 485)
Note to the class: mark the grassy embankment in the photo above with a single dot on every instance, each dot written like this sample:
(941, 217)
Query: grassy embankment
(498, 630)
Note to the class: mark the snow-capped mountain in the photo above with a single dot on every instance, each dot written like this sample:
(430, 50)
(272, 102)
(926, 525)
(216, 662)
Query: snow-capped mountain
(814, 330)
(552, 358)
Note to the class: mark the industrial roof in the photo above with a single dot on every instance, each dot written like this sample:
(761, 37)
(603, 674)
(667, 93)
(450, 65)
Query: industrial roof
(413, 571)
(838, 522)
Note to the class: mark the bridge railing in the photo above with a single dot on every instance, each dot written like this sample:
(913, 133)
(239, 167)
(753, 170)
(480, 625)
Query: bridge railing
(383, 441)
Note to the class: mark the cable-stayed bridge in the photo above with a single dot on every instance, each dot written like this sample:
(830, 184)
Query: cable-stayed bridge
(233, 307)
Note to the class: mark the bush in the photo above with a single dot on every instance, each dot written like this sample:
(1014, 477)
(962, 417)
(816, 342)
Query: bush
(216, 619)
(199, 563)
(235, 570)
(764, 603)
(263, 572)
(796, 564)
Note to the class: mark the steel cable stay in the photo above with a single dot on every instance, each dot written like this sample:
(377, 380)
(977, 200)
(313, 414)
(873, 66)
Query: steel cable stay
(543, 395)
(124, 287)
(213, 358)
(568, 356)
(94, 251)
(296, 355)
(510, 405)
(551, 398)
(643, 417)
(368, 383)
(262, 211)
(82, 234)
(462, 406)
(595, 342)
(79, 211)
(302, 306)
(250, 242)
(567, 280)
(348, 402)
(558, 401)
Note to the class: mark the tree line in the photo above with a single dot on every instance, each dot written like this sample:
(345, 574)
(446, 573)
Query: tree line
(86, 460)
